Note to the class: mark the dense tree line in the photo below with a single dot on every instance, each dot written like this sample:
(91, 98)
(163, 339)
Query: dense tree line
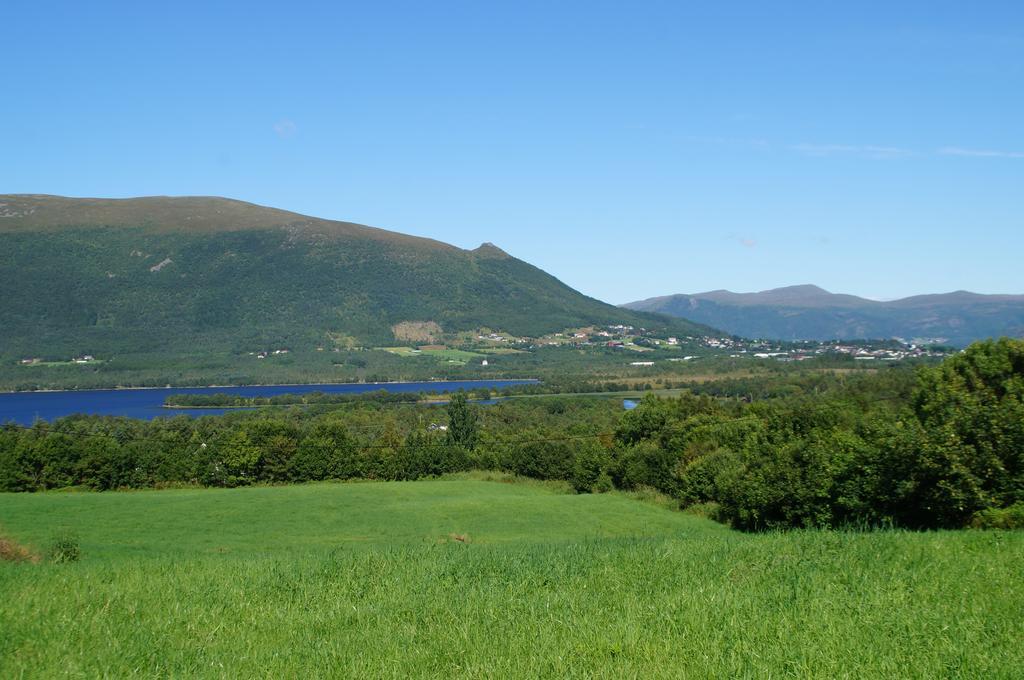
(367, 439)
(939, 447)
(937, 452)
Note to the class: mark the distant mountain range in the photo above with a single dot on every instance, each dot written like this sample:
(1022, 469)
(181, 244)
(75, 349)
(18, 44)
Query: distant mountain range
(812, 313)
(177, 276)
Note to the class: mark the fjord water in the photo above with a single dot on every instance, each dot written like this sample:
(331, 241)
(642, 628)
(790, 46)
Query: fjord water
(25, 408)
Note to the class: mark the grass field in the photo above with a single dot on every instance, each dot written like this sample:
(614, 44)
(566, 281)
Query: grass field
(460, 355)
(500, 351)
(452, 355)
(372, 580)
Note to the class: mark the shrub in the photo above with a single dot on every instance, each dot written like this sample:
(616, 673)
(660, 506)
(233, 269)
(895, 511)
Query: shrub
(604, 484)
(592, 461)
(65, 548)
(709, 510)
(1000, 518)
(648, 464)
(540, 459)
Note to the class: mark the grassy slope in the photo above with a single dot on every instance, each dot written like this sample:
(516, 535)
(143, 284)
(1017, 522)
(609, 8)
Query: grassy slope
(268, 520)
(355, 580)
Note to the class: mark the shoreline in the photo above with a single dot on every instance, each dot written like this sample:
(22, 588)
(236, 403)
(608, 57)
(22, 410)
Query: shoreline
(213, 387)
(440, 400)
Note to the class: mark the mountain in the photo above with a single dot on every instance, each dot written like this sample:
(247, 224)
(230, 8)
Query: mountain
(812, 313)
(191, 275)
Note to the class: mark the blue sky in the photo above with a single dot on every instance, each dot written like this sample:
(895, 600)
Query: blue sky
(631, 149)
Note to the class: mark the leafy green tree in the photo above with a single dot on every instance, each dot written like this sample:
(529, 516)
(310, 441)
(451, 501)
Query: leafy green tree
(241, 459)
(591, 464)
(462, 422)
(540, 458)
(59, 455)
(648, 464)
(327, 452)
(106, 465)
(278, 442)
(648, 419)
(279, 452)
(972, 410)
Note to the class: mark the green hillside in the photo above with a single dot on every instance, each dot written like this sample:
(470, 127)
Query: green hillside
(464, 578)
(175, 276)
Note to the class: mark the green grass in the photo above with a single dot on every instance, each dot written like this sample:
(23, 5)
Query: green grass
(453, 355)
(363, 580)
(400, 351)
(500, 351)
(283, 519)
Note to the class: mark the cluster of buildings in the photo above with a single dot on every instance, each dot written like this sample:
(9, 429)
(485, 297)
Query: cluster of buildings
(866, 351)
(266, 353)
(84, 359)
(609, 336)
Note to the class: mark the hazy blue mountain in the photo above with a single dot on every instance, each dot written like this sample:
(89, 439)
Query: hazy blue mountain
(811, 313)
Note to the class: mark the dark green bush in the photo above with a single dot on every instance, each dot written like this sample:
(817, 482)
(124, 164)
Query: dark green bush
(65, 548)
(1000, 518)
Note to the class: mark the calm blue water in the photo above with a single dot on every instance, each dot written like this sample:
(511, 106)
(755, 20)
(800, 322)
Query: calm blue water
(630, 404)
(25, 407)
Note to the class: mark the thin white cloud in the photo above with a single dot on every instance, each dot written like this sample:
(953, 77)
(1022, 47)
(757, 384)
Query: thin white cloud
(284, 128)
(863, 151)
(979, 153)
(744, 241)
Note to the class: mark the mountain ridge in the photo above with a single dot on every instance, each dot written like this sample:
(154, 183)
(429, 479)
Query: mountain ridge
(28, 212)
(809, 312)
(178, 274)
(795, 295)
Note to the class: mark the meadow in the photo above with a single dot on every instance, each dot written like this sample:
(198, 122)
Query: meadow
(450, 355)
(465, 577)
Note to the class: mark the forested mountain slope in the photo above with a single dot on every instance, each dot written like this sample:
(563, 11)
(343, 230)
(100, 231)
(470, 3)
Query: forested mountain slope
(173, 275)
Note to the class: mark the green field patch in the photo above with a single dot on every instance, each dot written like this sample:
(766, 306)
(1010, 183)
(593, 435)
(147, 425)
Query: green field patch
(454, 354)
(400, 351)
(483, 579)
(459, 356)
(281, 519)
